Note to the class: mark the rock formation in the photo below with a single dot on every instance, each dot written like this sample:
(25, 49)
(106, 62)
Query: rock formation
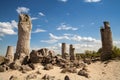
(64, 50)
(9, 54)
(72, 50)
(107, 43)
(24, 32)
(43, 55)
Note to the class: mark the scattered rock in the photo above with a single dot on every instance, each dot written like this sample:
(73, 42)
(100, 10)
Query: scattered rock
(66, 77)
(70, 70)
(25, 68)
(31, 76)
(83, 73)
(48, 77)
(38, 72)
(48, 67)
(16, 65)
(13, 78)
(32, 66)
(88, 61)
(85, 68)
(4, 68)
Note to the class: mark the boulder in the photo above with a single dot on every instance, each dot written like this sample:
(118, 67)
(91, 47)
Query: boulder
(31, 65)
(66, 77)
(13, 78)
(46, 52)
(87, 61)
(25, 68)
(35, 57)
(43, 55)
(48, 77)
(31, 76)
(16, 65)
(83, 73)
(38, 71)
(48, 67)
(70, 70)
(4, 68)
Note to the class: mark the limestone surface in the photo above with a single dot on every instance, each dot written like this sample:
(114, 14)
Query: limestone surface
(24, 33)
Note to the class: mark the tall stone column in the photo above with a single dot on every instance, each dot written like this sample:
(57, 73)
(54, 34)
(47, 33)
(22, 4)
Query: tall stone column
(64, 50)
(10, 54)
(24, 34)
(71, 52)
(107, 42)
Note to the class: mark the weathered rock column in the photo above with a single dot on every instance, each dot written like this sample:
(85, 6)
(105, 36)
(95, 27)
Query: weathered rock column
(10, 54)
(64, 50)
(107, 43)
(24, 33)
(71, 53)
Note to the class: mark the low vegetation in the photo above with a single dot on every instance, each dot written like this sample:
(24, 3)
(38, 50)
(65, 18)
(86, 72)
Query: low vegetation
(88, 54)
(116, 52)
(94, 54)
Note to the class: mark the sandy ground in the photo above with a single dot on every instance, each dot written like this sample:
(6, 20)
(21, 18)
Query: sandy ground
(96, 71)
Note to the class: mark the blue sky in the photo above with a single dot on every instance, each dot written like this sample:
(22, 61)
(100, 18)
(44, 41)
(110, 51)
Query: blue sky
(74, 22)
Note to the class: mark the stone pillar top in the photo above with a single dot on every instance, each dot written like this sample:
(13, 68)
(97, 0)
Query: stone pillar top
(106, 24)
(24, 18)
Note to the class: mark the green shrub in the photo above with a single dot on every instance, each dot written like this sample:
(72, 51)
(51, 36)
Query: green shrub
(87, 54)
(115, 52)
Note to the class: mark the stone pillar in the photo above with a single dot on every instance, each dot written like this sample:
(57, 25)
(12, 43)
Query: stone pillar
(24, 34)
(10, 54)
(71, 53)
(64, 50)
(107, 43)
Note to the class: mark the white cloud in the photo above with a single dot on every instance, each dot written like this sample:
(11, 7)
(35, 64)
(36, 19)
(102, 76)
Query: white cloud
(66, 27)
(58, 37)
(38, 30)
(41, 14)
(63, 0)
(49, 41)
(92, 1)
(22, 10)
(73, 38)
(34, 18)
(70, 37)
(7, 28)
(116, 42)
(86, 39)
(7, 31)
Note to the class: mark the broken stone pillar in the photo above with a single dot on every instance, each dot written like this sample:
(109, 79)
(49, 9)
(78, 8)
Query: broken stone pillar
(72, 51)
(107, 42)
(24, 33)
(10, 54)
(64, 50)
